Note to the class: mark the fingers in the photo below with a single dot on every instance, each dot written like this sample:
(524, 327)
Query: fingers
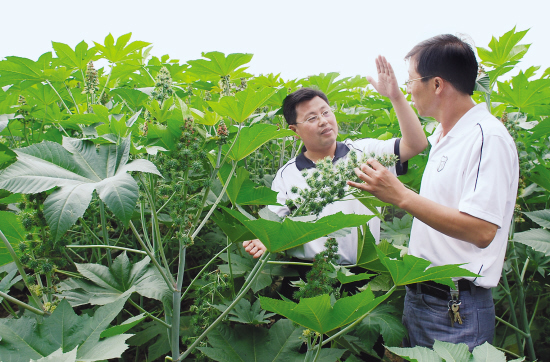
(374, 164)
(254, 247)
(359, 186)
(372, 81)
(378, 65)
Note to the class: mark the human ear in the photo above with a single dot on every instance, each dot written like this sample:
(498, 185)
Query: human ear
(292, 128)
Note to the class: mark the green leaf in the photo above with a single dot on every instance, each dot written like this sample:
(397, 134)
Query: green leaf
(77, 59)
(133, 97)
(120, 51)
(416, 354)
(335, 89)
(247, 343)
(24, 339)
(344, 276)
(251, 138)
(109, 284)
(415, 270)
(278, 236)
(9, 281)
(246, 313)
(14, 232)
(242, 191)
(14, 70)
(398, 231)
(541, 176)
(505, 49)
(383, 321)
(59, 356)
(78, 169)
(243, 104)
(541, 217)
(319, 315)
(231, 227)
(538, 239)
(452, 352)
(524, 94)
(218, 65)
(126, 325)
(487, 353)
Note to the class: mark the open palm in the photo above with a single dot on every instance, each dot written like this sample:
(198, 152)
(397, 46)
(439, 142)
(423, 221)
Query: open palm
(387, 83)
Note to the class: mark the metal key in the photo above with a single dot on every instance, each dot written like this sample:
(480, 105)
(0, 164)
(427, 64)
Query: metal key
(457, 318)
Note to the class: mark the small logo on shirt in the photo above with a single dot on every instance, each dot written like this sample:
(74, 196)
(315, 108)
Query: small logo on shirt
(442, 163)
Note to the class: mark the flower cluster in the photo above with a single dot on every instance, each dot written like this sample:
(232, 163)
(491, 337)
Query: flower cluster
(222, 133)
(327, 183)
(318, 278)
(163, 86)
(92, 81)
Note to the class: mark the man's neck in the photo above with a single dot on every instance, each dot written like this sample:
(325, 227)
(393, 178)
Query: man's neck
(452, 110)
(316, 155)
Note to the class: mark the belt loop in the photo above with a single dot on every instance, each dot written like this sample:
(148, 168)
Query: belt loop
(473, 289)
(455, 294)
(418, 288)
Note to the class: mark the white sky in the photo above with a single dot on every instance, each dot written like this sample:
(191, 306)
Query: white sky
(296, 38)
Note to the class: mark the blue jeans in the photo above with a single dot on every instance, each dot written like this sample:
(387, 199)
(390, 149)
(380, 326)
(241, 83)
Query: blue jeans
(427, 318)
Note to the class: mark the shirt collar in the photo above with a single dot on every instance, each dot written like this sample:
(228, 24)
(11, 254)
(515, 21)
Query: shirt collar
(302, 162)
(464, 124)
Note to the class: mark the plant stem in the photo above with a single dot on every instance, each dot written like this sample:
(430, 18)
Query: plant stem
(138, 307)
(518, 330)
(21, 304)
(513, 315)
(9, 309)
(254, 273)
(20, 268)
(106, 247)
(216, 202)
(155, 262)
(106, 83)
(61, 99)
(289, 263)
(176, 301)
(74, 101)
(104, 231)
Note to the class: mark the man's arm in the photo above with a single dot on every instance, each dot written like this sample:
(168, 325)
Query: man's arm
(385, 186)
(413, 139)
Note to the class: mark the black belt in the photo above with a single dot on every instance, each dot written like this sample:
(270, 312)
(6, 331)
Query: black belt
(439, 290)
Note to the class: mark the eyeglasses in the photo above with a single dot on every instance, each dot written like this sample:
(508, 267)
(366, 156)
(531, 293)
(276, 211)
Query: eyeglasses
(408, 83)
(325, 114)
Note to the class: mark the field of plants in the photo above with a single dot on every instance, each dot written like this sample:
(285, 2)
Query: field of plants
(128, 182)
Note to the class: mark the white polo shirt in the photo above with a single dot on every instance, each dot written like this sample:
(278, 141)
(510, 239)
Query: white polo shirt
(291, 175)
(474, 169)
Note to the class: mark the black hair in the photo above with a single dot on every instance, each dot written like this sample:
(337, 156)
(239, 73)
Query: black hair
(293, 99)
(448, 57)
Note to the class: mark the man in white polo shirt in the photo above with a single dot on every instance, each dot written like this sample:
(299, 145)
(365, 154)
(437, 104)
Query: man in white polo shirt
(308, 113)
(466, 200)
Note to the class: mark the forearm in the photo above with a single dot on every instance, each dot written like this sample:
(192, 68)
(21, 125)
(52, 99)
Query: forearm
(448, 221)
(413, 139)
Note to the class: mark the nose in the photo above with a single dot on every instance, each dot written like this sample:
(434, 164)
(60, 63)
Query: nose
(322, 120)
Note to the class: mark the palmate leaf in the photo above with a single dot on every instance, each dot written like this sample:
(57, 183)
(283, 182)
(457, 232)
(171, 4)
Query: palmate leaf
(78, 169)
(133, 97)
(219, 65)
(119, 51)
(541, 217)
(277, 236)
(74, 59)
(524, 94)
(541, 176)
(335, 90)
(243, 104)
(9, 281)
(319, 315)
(449, 352)
(504, 50)
(252, 344)
(59, 356)
(24, 339)
(383, 320)
(415, 270)
(251, 138)
(109, 284)
(14, 70)
(538, 239)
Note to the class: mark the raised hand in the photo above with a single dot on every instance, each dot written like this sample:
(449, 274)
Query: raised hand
(387, 83)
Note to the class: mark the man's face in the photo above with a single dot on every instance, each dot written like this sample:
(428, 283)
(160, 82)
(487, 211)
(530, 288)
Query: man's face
(419, 91)
(319, 136)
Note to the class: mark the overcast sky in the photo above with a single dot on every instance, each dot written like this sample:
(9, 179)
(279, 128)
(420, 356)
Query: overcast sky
(296, 38)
